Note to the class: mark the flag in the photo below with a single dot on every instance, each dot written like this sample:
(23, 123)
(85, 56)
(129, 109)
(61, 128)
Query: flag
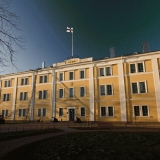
(69, 30)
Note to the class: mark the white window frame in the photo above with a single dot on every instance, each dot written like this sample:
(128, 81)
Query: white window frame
(43, 78)
(24, 81)
(143, 67)
(106, 109)
(140, 111)
(104, 89)
(69, 92)
(80, 74)
(84, 112)
(5, 111)
(59, 111)
(138, 87)
(22, 109)
(63, 76)
(9, 80)
(106, 93)
(69, 75)
(43, 94)
(7, 97)
(136, 67)
(59, 93)
(110, 70)
(23, 93)
(103, 72)
(84, 91)
(41, 109)
(130, 68)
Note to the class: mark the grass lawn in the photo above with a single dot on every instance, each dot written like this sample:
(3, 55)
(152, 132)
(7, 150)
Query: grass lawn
(93, 146)
(19, 134)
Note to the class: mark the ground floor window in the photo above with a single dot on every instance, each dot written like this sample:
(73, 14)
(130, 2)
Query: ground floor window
(22, 112)
(60, 112)
(141, 110)
(5, 113)
(41, 112)
(83, 111)
(107, 111)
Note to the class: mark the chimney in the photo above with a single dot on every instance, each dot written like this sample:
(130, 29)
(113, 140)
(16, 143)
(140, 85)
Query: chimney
(112, 52)
(145, 47)
(43, 64)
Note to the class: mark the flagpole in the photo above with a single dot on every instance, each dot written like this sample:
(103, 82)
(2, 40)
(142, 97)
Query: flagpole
(72, 44)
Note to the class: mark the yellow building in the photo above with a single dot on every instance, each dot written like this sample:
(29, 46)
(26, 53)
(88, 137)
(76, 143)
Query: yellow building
(120, 89)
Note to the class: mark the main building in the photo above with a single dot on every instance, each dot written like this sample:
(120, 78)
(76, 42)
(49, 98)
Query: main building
(121, 89)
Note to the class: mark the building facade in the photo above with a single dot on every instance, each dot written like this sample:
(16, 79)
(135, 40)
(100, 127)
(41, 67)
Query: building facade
(119, 89)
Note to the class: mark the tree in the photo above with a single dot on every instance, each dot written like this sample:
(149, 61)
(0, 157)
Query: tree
(10, 42)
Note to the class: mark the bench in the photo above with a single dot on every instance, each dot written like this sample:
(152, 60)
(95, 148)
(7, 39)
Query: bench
(105, 125)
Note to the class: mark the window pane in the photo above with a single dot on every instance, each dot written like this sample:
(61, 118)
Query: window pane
(44, 111)
(103, 111)
(134, 88)
(7, 113)
(9, 83)
(22, 81)
(39, 112)
(41, 79)
(70, 75)
(101, 71)
(102, 90)
(108, 71)
(81, 74)
(60, 93)
(4, 97)
(5, 84)
(8, 97)
(60, 111)
(140, 67)
(25, 95)
(82, 91)
(40, 94)
(110, 111)
(109, 89)
(3, 112)
(24, 112)
(21, 96)
(61, 77)
(45, 94)
(82, 111)
(132, 68)
(20, 112)
(142, 87)
(70, 92)
(26, 81)
(136, 111)
(45, 79)
(145, 110)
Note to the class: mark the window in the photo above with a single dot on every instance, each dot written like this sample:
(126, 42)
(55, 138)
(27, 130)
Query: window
(60, 112)
(71, 76)
(22, 112)
(139, 87)
(7, 83)
(83, 111)
(23, 95)
(109, 89)
(71, 94)
(82, 91)
(101, 71)
(132, 68)
(24, 81)
(60, 93)
(5, 113)
(41, 112)
(141, 110)
(43, 94)
(43, 79)
(102, 90)
(6, 97)
(108, 71)
(61, 76)
(82, 74)
(107, 111)
(140, 67)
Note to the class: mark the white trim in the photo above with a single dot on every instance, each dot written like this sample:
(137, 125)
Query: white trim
(74, 80)
(14, 99)
(53, 94)
(74, 112)
(138, 73)
(156, 84)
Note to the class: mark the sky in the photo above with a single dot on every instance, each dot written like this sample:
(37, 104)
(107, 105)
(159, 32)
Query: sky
(97, 26)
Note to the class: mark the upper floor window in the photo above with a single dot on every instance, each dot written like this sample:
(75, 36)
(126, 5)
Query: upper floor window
(23, 95)
(141, 110)
(136, 67)
(43, 94)
(102, 90)
(108, 71)
(22, 112)
(24, 81)
(61, 93)
(109, 89)
(6, 97)
(60, 112)
(83, 111)
(82, 74)
(5, 113)
(41, 112)
(7, 83)
(71, 75)
(61, 77)
(106, 90)
(101, 71)
(71, 92)
(139, 87)
(82, 91)
(43, 79)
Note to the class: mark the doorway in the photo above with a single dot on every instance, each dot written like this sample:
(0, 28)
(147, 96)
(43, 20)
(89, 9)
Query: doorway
(71, 114)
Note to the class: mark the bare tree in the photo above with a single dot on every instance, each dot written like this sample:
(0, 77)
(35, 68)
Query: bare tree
(10, 41)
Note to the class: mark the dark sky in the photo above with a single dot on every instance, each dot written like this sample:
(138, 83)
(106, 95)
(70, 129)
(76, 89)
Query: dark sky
(97, 24)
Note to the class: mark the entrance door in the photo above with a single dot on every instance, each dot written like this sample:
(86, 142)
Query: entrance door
(71, 114)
